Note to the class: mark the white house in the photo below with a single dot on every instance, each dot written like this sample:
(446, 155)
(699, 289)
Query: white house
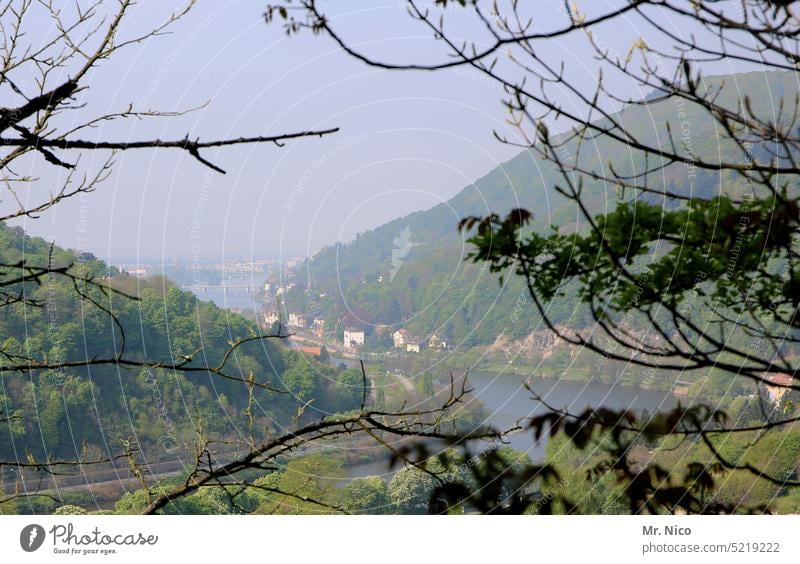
(400, 338)
(437, 343)
(296, 320)
(778, 386)
(415, 345)
(353, 338)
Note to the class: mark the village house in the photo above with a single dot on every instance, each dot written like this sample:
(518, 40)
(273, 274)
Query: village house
(416, 345)
(353, 338)
(319, 327)
(271, 317)
(296, 320)
(400, 338)
(776, 388)
(437, 343)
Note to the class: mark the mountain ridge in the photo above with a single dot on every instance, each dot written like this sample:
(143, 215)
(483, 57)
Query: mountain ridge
(432, 290)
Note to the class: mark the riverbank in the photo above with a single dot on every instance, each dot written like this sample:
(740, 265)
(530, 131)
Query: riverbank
(591, 368)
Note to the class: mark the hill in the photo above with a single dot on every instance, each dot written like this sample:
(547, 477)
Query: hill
(410, 273)
(63, 412)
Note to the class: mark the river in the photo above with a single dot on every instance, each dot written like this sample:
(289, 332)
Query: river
(506, 400)
(503, 396)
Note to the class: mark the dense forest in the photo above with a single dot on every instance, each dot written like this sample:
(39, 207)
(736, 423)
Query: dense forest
(69, 411)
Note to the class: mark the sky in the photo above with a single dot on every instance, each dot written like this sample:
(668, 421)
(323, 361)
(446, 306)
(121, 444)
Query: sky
(407, 140)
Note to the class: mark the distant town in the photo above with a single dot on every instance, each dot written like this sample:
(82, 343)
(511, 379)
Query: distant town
(257, 289)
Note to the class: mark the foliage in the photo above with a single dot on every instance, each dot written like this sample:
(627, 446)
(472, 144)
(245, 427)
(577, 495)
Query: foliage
(308, 485)
(52, 410)
(368, 495)
(498, 480)
(70, 510)
(207, 501)
(410, 491)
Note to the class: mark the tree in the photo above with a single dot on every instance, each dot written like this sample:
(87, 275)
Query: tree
(410, 491)
(367, 495)
(428, 390)
(307, 485)
(70, 510)
(48, 125)
(350, 389)
(598, 495)
(693, 265)
(208, 501)
(301, 381)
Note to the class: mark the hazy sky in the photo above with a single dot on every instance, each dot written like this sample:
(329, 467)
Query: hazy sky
(408, 140)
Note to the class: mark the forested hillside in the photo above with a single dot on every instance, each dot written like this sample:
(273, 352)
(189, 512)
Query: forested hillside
(411, 272)
(63, 412)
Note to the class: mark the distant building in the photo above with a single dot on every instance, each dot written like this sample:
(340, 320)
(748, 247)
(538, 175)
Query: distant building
(776, 388)
(353, 338)
(400, 338)
(436, 342)
(294, 261)
(239, 267)
(271, 317)
(296, 320)
(416, 345)
(138, 272)
(319, 327)
(681, 391)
